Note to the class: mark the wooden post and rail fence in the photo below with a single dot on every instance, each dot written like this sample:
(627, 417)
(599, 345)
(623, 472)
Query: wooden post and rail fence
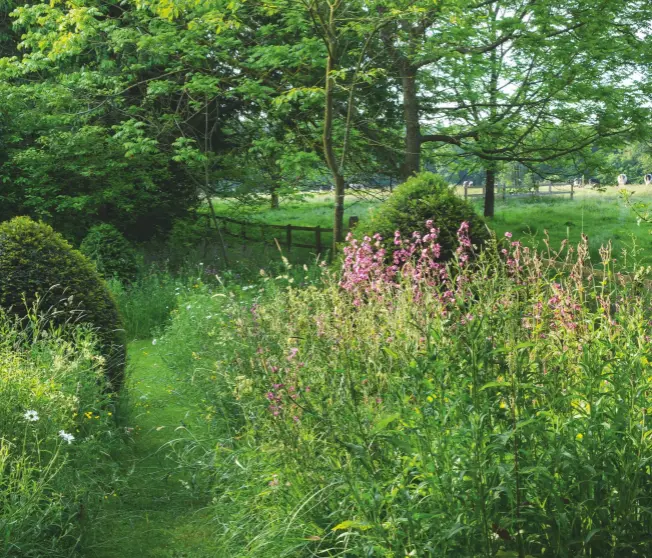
(282, 234)
(545, 189)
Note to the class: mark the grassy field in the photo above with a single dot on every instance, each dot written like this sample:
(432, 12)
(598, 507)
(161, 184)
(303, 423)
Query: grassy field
(602, 216)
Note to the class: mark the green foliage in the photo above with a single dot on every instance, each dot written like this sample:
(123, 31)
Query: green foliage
(38, 268)
(189, 233)
(146, 304)
(75, 178)
(111, 251)
(51, 489)
(509, 420)
(419, 199)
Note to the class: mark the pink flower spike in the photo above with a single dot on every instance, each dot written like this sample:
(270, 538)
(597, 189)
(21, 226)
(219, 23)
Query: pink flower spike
(293, 353)
(508, 235)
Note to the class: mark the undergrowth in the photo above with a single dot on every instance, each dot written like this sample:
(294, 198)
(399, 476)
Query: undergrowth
(494, 406)
(57, 431)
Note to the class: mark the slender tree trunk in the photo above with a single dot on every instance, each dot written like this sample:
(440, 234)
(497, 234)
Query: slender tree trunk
(490, 167)
(412, 161)
(490, 189)
(338, 217)
(274, 197)
(217, 227)
(329, 151)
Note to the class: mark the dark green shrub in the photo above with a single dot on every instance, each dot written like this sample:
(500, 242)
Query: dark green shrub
(423, 197)
(38, 267)
(111, 252)
(190, 233)
(191, 241)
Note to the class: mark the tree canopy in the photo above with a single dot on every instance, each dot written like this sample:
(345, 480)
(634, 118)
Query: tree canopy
(133, 112)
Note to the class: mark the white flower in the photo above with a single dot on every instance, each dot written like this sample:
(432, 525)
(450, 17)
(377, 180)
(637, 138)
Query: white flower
(154, 341)
(188, 307)
(66, 437)
(31, 416)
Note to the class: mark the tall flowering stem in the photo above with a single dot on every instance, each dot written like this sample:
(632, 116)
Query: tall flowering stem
(366, 272)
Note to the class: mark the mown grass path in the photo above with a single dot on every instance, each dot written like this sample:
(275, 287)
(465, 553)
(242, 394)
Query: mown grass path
(154, 512)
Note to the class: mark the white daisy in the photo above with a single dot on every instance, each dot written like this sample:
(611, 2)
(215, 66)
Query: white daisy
(31, 416)
(66, 437)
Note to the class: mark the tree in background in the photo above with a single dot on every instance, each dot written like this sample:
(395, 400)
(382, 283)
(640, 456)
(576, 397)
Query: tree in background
(116, 107)
(141, 92)
(519, 81)
(553, 89)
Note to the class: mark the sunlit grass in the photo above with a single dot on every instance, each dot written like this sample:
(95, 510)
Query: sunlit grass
(600, 215)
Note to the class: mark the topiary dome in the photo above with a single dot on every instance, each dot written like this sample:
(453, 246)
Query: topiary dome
(421, 198)
(38, 265)
(111, 252)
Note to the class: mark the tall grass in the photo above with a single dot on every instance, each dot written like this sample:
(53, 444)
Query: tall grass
(56, 432)
(497, 407)
(146, 304)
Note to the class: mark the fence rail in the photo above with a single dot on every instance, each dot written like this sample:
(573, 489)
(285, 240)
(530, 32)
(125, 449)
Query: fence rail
(545, 189)
(267, 233)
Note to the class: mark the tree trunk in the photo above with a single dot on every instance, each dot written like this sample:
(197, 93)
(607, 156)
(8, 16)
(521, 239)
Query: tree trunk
(412, 161)
(274, 196)
(490, 167)
(329, 151)
(338, 217)
(490, 190)
(217, 227)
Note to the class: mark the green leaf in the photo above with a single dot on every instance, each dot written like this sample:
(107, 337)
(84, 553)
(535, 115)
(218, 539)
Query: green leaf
(351, 524)
(385, 422)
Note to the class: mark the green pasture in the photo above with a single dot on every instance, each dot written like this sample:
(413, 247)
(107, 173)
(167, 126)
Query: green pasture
(601, 215)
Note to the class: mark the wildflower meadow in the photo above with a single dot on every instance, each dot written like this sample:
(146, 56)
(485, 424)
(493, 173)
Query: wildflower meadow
(325, 279)
(57, 427)
(493, 405)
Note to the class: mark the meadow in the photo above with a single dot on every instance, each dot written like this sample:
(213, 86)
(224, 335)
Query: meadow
(603, 216)
(498, 409)
(179, 379)
(491, 405)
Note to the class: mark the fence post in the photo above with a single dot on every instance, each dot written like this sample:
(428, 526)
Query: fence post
(318, 239)
(466, 189)
(288, 237)
(353, 221)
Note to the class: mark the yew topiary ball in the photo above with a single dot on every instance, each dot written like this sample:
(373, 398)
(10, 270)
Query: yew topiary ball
(110, 250)
(424, 197)
(37, 265)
